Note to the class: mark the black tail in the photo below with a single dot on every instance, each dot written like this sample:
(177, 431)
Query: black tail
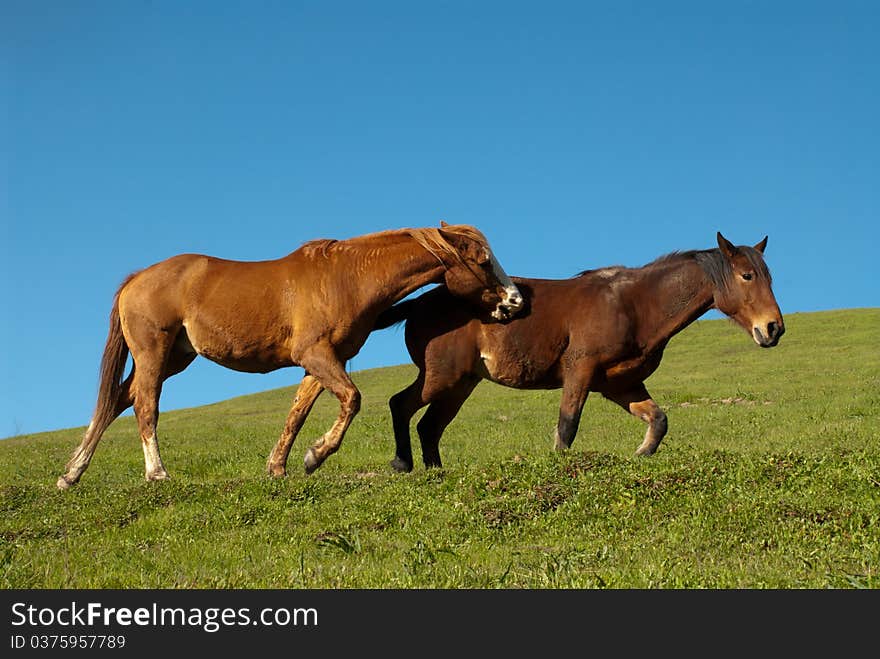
(394, 315)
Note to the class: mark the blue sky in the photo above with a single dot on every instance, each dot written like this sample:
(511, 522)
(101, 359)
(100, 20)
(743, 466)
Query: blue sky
(574, 134)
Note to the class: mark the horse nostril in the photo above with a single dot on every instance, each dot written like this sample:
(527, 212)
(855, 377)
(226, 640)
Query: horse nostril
(772, 329)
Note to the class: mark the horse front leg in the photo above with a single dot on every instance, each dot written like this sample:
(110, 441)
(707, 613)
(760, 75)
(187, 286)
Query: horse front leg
(330, 372)
(575, 389)
(639, 403)
(306, 394)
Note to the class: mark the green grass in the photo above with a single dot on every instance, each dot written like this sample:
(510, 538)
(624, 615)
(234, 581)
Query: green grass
(769, 478)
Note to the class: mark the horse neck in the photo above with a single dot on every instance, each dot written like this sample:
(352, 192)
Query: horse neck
(671, 296)
(399, 267)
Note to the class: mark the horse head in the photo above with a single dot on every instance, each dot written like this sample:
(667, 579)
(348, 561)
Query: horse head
(746, 295)
(474, 272)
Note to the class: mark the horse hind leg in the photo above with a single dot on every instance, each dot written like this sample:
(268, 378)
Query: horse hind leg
(639, 403)
(404, 404)
(113, 398)
(82, 456)
(438, 416)
(164, 359)
(148, 388)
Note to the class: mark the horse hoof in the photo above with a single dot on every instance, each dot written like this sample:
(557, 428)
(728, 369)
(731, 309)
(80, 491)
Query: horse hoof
(400, 466)
(160, 476)
(63, 483)
(311, 462)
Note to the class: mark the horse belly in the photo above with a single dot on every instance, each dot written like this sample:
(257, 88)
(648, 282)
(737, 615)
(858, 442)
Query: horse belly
(247, 353)
(518, 371)
(254, 364)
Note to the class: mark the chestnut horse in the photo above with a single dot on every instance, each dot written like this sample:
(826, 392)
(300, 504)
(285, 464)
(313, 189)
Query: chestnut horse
(603, 330)
(313, 308)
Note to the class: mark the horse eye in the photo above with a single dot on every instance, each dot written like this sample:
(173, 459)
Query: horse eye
(747, 276)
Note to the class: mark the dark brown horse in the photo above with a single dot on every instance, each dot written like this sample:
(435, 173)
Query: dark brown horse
(603, 330)
(313, 308)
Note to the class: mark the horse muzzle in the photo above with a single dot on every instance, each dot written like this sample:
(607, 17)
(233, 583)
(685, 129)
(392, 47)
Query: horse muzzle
(768, 336)
(511, 303)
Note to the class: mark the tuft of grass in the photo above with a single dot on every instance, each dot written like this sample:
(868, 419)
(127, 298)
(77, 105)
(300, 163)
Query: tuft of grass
(769, 478)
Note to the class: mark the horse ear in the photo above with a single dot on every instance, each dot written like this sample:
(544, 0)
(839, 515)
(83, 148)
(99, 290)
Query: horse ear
(727, 247)
(761, 246)
(443, 224)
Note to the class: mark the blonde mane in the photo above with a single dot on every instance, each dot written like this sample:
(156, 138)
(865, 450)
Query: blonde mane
(430, 238)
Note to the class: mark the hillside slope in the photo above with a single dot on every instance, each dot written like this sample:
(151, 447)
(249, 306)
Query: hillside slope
(771, 456)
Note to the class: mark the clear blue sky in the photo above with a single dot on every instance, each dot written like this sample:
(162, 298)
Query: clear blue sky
(574, 134)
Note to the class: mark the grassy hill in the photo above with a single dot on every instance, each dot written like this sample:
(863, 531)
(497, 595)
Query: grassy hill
(769, 477)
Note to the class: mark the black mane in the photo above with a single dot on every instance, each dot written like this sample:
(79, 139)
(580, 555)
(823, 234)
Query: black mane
(718, 269)
(712, 262)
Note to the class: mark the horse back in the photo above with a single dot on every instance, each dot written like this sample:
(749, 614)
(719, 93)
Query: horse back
(189, 284)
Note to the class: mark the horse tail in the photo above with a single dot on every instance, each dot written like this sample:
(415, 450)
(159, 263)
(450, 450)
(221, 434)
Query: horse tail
(394, 315)
(112, 370)
(109, 388)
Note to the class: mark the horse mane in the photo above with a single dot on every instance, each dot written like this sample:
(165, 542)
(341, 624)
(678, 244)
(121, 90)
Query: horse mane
(430, 238)
(718, 269)
(712, 261)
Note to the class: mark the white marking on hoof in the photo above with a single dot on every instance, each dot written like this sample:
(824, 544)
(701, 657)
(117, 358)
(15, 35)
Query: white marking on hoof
(63, 483)
(152, 462)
